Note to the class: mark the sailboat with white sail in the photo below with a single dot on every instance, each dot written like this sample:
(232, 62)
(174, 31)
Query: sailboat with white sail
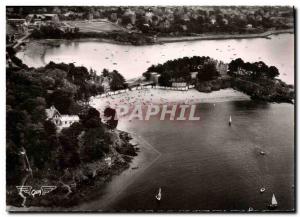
(229, 122)
(158, 196)
(274, 203)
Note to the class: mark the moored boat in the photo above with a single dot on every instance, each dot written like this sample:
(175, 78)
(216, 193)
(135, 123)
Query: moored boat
(262, 153)
(262, 190)
(158, 196)
(274, 203)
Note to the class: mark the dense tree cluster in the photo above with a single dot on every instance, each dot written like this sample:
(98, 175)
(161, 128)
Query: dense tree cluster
(254, 70)
(29, 92)
(181, 68)
(53, 32)
(83, 142)
(207, 72)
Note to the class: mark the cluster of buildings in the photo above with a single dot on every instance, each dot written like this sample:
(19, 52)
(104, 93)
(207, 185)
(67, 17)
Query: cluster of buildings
(164, 18)
(169, 18)
(32, 21)
(18, 27)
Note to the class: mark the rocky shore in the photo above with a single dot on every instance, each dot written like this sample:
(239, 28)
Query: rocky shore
(271, 90)
(79, 185)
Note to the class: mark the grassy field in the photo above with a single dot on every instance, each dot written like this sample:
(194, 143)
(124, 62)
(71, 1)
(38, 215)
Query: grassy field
(96, 26)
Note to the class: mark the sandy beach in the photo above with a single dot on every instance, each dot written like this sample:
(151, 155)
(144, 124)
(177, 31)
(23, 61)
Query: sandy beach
(158, 97)
(147, 154)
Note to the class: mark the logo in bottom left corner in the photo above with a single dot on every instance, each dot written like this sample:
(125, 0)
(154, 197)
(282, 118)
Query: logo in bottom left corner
(35, 192)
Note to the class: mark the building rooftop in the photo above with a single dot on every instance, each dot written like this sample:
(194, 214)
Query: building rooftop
(69, 118)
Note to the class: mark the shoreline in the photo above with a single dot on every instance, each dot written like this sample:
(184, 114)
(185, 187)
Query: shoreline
(147, 155)
(223, 36)
(158, 96)
(101, 199)
(167, 39)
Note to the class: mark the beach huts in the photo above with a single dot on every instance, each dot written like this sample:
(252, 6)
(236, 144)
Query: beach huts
(179, 84)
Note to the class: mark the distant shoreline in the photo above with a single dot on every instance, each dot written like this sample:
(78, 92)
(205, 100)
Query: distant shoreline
(41, 45)
(171, 39)
(223, 36)
(168, 39)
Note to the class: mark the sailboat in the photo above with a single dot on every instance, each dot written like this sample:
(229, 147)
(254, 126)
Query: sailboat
(158, 196)
(230, 120)
(274, 203)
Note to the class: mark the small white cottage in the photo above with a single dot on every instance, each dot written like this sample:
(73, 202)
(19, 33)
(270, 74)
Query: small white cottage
(61, 121)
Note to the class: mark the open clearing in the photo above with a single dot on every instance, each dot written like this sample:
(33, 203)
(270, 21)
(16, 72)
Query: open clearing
(96, 26)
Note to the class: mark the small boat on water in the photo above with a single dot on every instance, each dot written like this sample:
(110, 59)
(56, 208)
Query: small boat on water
(274, 203)
(158, 196)
(262, 190)
(229, 122)
(262, 153)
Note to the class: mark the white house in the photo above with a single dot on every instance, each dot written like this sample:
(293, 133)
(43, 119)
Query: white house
(106, 83)
(61, 121)
(154, 77)
(194, 75)
(249, 26)
(222, 68)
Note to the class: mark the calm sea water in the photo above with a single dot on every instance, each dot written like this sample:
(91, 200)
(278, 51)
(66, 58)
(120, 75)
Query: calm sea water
(204, 165)
(207, 165)
(132, 61)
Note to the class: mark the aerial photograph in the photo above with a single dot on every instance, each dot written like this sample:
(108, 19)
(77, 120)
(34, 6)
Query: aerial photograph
(142, 109)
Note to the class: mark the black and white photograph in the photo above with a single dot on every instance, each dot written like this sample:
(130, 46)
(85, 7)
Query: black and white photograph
(150, 108)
